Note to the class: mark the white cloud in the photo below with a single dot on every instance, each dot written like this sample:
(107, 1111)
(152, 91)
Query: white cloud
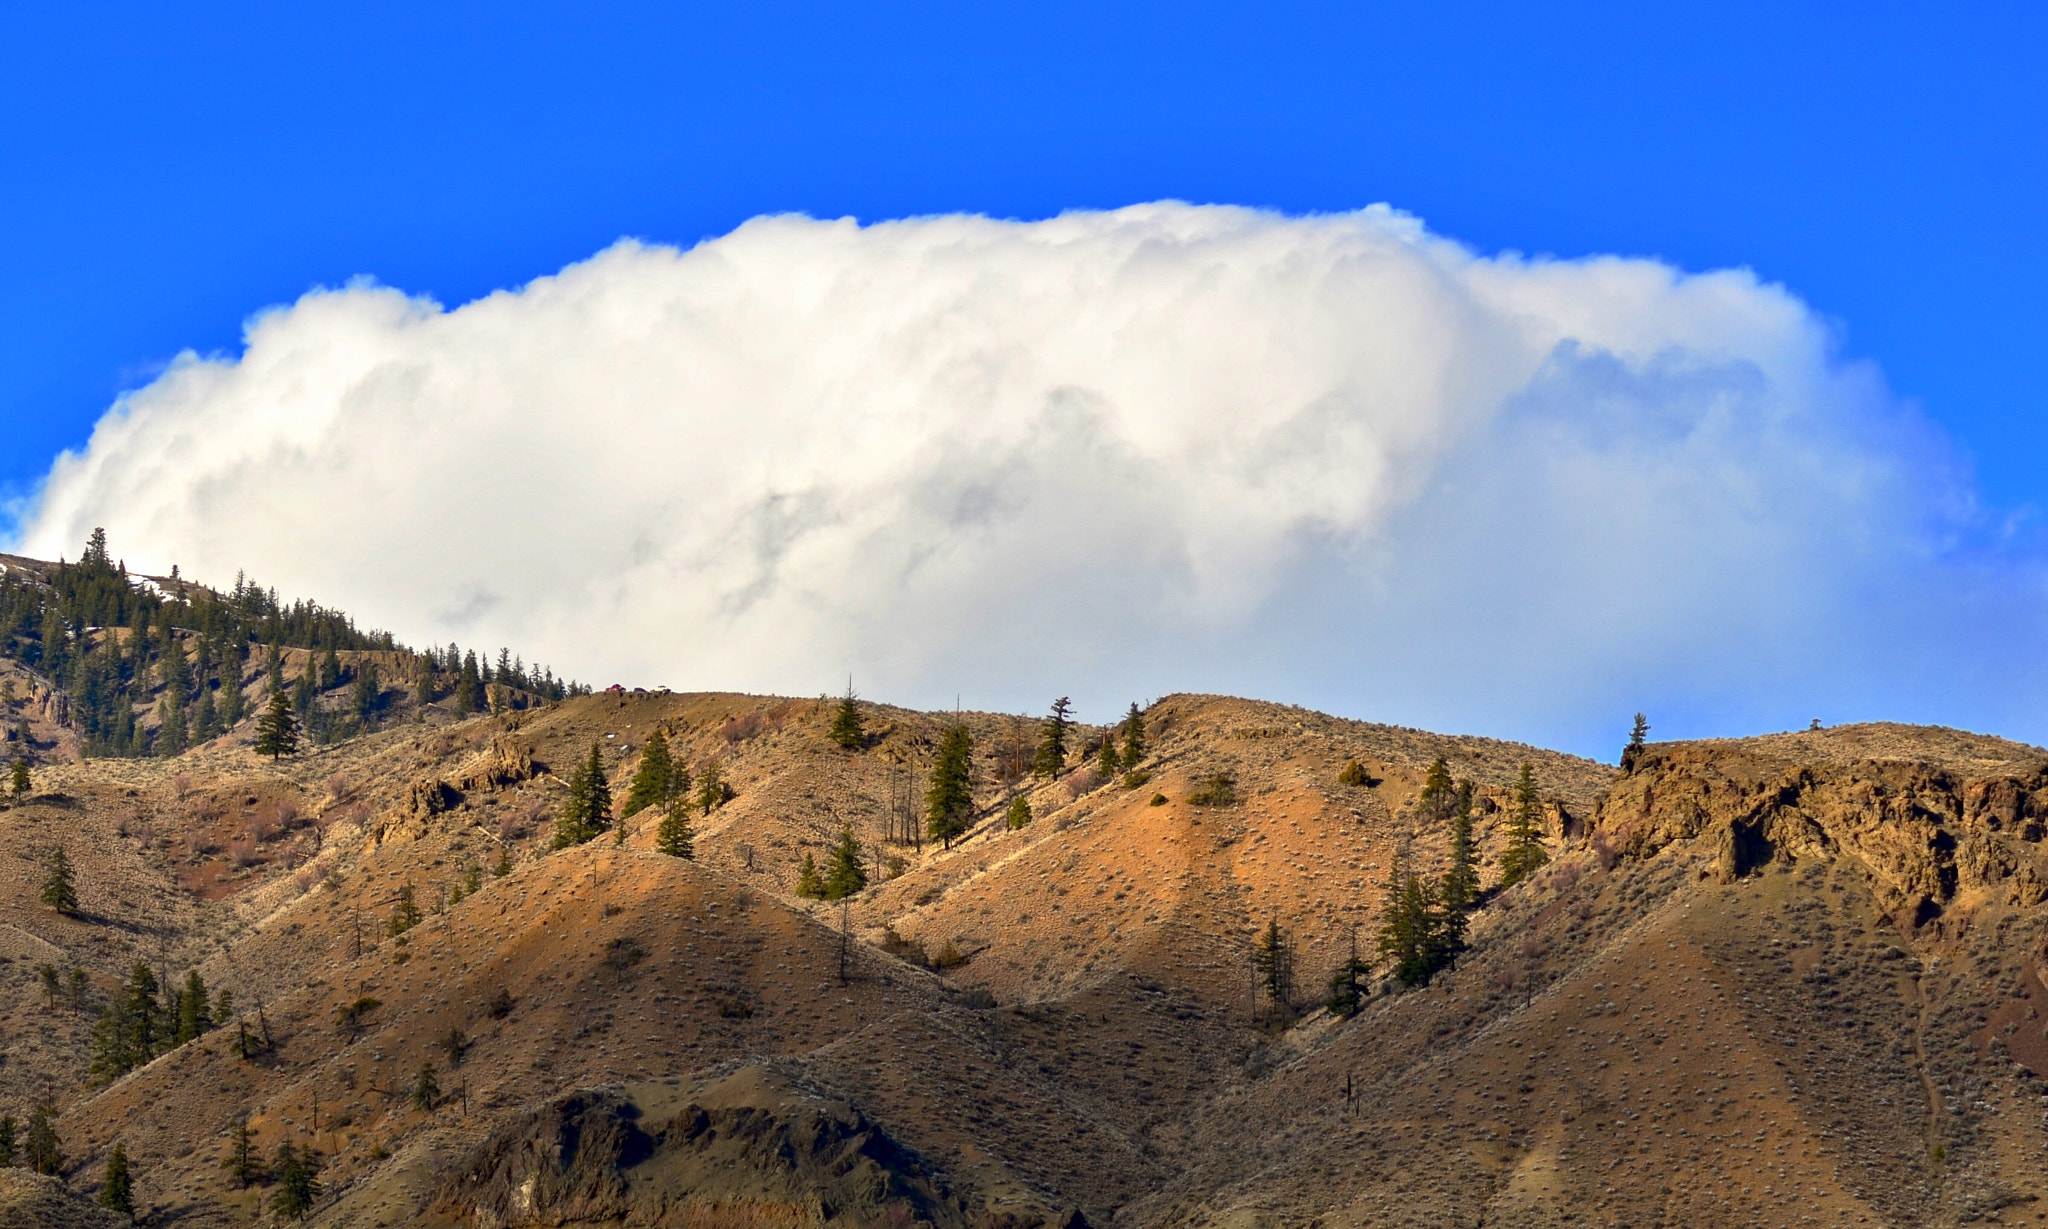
(1334, 459)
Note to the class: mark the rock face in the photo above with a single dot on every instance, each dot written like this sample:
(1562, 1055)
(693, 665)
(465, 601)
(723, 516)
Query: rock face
(741, 1153)
(1928, 832)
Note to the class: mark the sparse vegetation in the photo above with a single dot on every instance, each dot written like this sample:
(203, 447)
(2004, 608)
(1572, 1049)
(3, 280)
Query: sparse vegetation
(1218, 789)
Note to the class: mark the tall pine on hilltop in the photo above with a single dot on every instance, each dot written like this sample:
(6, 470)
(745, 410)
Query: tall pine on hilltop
(1052, 739)
(846, 728)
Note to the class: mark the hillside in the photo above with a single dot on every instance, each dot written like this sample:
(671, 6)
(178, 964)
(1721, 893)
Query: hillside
(1785, 980)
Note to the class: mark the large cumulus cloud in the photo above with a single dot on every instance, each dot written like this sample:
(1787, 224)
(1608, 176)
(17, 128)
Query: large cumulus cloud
(1331, 459)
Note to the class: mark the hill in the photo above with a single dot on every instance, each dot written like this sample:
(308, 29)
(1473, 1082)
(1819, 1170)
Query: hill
(1784, 980)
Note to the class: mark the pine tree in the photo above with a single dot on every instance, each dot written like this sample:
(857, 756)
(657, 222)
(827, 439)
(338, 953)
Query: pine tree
(146, 1031)
(1460, 890)
(8, 1129)
(711, 788)
(651, 780)
(426, 1090)
(588, 810)
(504, 866)
(297, 1189)
(1638, 737)
(1275, 961)
(177, 691)
(423, 690)
(18, 782)
(847, 875)
(330, 670)
(808, 883)
(231, 702)
(42, 1150)
(673, 837)
(949, 802)
(1525, 852)
(1107, 763)
(1347, 994)
(277, 730)
(368, 692)
(59, 892)
(47, 973)
(113, 1042)
(1019, 813)
(241, 1163)
(192, 1015)
(1052, 740)
(117, 1193)
(405, 914)
(1134, 736)
(846, 728)
(1438, 794)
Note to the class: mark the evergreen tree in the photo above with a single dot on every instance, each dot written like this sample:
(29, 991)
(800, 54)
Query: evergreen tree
(59, 892)
(588, 809)
(405, 914)
(42, 1150)
(846, 729)
(192, 1014)
(847, 875)
(1107, 764)
(1638, 737)
(423, 689)
(469, 687)
(808, 883)
(1347, 994)
(1052, 739)
(277, 730)
(1019, 813)
(1134, 736)
(1438, 794)
(241, 1163)
(297, 1188)
(330, 670)
(1460, 891)
(116, 1193)
(205, 718)
(1275, 960)
(303, 695)
(8, 1128)
(1525, 852)
(18, 782)
(651, 780)
(712, 790)
(113, 1042)
(368, 692)
(426, 1090)
(232, 706)
(673, 837)
(1409, 925)
(47, 973)
(949, 802)
(177, 692)
(146, 1029)
(504, 866)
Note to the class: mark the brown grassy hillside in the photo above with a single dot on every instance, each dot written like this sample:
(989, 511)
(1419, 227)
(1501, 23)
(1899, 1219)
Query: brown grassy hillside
(1785, 980)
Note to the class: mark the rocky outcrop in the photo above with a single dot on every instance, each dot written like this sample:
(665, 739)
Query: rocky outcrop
(1927, 832)
(764, 1158)
(507, 761)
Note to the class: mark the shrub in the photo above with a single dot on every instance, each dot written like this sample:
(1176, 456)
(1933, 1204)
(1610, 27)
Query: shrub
(1158, 800)
(1216, 790)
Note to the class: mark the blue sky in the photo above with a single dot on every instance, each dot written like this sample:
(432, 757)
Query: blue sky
(172, 168)
(171, 171)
